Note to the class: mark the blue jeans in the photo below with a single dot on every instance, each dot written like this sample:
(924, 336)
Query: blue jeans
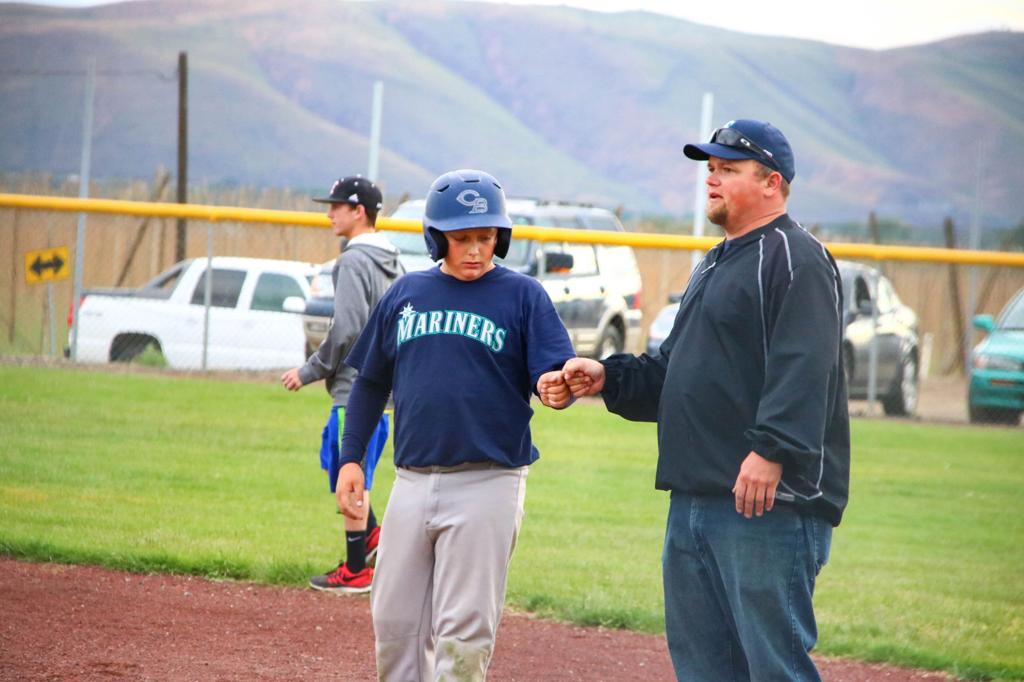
(738, 591)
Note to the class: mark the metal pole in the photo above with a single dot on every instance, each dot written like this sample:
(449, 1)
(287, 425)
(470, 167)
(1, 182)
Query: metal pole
(83, 192)
(700, 195)
(207, 292)
(974, 243)
(378, 103)
(52, 315)
(180, 242)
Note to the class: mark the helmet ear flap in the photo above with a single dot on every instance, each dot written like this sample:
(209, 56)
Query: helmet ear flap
(437, 244)
(503, 242)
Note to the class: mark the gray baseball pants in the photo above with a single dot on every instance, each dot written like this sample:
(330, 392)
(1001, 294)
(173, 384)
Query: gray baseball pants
(442, 567)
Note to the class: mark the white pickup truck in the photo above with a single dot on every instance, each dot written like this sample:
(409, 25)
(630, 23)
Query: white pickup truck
(248, 327)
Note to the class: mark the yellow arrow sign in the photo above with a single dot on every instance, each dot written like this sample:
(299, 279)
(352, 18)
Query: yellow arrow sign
(47, 265)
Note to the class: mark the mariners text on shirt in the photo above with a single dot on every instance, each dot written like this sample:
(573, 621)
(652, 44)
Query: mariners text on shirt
(413, 325)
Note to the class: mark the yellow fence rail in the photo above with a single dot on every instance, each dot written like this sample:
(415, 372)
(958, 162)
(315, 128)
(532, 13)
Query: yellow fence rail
(545, 234)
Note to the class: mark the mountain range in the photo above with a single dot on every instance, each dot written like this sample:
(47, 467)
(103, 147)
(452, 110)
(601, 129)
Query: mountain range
(558, 103)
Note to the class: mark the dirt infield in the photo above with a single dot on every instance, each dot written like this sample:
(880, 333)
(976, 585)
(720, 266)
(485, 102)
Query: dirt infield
(85, 623)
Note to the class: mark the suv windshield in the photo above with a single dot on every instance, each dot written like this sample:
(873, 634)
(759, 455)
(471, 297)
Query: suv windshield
(1013, 318)
(409, 243)
(603, 222)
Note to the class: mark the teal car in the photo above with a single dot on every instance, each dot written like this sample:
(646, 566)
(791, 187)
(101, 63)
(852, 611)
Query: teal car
(996, 393)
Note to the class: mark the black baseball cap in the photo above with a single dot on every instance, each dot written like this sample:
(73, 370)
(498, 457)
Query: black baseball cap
(357, 191)
(746, 138)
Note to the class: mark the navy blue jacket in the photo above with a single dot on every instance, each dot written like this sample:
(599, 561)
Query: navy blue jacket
(753, 363)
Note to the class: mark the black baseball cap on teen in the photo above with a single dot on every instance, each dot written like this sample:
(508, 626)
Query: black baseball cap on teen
(746, 138)
(357, 191)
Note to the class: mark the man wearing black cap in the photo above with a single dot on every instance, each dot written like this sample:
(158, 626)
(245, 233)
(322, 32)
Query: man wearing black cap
(367, 266)
(753, 433)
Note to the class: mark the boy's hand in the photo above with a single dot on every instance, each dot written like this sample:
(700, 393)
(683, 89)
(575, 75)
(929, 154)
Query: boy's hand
(553, 391)
(291, 380)
(583, 376)
(349, 491)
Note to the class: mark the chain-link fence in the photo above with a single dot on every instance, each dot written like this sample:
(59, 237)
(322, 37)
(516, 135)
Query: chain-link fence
(141, 303)
(909, 333)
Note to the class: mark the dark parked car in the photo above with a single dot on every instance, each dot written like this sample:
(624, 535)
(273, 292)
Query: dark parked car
(996, 392)
(895, 332)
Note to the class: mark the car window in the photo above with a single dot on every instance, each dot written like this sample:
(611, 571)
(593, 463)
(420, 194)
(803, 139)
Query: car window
(862, 293)
(409, 242)
(271, 290)
(603, 222)
(557, 220)
(1013, 316)
(224, 289)
(518, 253)
(165, 282)
(566, 221)
(410, 210)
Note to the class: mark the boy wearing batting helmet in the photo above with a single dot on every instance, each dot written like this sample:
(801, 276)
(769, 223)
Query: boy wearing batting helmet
(462, 346)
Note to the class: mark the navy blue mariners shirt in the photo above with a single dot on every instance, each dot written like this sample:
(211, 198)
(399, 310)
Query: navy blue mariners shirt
(462, 359)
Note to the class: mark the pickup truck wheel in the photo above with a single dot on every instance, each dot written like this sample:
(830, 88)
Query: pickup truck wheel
(128, 347)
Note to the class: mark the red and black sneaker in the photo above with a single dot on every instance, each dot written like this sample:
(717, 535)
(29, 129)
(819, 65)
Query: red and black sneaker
(372, 539)
(343, 581)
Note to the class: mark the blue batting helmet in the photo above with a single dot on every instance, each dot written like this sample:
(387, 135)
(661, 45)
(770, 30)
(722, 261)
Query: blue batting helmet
(461, 200)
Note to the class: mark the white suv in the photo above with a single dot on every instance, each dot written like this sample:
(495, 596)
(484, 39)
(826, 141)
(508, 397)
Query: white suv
(598, 298)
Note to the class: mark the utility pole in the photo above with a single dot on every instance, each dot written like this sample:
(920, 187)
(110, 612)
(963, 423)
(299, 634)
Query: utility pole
(179, 248)
(83, 192)
(374, 160)
(974, 241)
(700, 195)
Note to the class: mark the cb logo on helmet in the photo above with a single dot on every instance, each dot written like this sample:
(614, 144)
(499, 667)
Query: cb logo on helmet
(472, 199)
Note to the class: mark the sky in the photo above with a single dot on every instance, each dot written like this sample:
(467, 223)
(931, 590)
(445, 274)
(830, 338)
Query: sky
(870, 24)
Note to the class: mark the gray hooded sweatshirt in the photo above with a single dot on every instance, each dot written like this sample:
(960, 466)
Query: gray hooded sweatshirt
(362, 273)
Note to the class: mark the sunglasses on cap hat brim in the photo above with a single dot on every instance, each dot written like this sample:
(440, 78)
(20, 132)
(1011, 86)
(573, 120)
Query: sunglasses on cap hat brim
(724, 140)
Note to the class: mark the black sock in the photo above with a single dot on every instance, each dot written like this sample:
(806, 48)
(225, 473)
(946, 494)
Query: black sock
(355, 541)
(371, 522)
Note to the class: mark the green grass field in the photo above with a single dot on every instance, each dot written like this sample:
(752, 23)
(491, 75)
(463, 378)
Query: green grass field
(154, 472)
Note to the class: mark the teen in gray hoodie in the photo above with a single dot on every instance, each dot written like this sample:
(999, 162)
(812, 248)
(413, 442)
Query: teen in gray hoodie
(367, 266)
